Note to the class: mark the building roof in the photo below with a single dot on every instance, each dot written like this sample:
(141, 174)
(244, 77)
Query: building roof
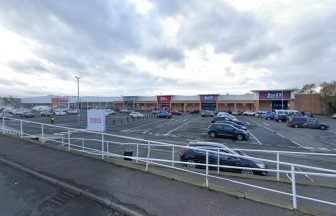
(267, 90)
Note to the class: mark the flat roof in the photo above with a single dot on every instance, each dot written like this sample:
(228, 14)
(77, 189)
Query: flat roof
(267, 90)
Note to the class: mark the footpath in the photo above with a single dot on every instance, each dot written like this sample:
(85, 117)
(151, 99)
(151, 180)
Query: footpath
(141, 192)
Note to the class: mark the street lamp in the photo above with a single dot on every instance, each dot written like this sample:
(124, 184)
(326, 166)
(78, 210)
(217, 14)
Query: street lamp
(78, 108)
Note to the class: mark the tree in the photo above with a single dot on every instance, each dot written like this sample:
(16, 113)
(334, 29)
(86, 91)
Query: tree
(308, 88)
(328, 93)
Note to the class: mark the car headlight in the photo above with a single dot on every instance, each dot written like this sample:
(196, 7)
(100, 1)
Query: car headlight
(260, 165)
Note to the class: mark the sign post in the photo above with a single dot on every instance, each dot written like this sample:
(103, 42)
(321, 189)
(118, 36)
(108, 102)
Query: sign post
(96, 120)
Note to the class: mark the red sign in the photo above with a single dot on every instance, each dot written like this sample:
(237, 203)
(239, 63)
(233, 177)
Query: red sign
(164, 99)
(275, 95)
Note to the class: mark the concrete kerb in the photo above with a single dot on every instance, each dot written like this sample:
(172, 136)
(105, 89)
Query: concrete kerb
(214, 187)
(73, 189)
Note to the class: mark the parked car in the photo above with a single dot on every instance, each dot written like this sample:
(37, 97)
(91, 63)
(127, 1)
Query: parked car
(73, 112)
(176, 112)
(156, 111)
(334, 116)
(216, 119)
(260, 113)
(194, 112)
(164, 115)
(306, 122)
(307, 114)
(109, 112)
(60, 113)
(136, 115)
(227, 157)
(234, 124)
(227, 130)
(207, 113)
(249, 113)
(45, 113)
(27, 115)
(269, 116)
(125, 111)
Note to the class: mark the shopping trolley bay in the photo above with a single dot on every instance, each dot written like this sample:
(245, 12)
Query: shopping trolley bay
(289, 167)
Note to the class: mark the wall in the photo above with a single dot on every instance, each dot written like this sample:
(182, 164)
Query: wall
(308, 103)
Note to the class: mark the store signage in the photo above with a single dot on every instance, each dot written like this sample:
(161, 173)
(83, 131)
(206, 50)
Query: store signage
(275, 95)
(130, 98)
(96, 120)
(208, 97)
(164, 99)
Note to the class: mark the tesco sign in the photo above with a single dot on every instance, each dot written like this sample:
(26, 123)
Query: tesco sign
(96, 120)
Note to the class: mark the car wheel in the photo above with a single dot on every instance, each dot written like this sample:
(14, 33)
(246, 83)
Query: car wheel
(247, 172)
(322, 127)
(190, 164)
(239, 137)
(296, 125)
(268, 118)
(212, 134)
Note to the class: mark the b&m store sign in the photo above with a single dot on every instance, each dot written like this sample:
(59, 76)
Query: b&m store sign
(274, 95)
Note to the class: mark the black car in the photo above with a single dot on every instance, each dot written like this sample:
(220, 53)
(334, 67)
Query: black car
(194, 111)
(306, 122)
(227, 130)
(225, 118)
(199, 156)
(27, 115)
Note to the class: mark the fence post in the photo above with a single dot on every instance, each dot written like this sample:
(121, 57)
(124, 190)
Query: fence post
(293, 187)
(21, 130)
(107, 149)
(69, 147)
(42, 133)
(3, 122)
(207, 169)
(278, 165)
(148, 151)
(173, 156)
(218, 161)
(137, 153)
(62, 143)
(102, 146)
(83, 144)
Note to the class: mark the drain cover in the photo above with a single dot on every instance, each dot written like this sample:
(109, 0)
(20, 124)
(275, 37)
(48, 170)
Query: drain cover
(59, 199)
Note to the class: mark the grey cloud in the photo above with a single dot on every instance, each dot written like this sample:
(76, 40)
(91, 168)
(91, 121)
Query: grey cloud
(255, 52)
(27, 66)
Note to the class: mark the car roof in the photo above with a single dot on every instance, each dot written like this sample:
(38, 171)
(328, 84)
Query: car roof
(210, 144)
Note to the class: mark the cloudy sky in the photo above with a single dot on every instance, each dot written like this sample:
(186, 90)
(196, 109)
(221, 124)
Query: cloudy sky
(144, 47)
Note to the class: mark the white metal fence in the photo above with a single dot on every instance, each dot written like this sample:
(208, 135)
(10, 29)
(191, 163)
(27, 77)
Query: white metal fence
(163, 154)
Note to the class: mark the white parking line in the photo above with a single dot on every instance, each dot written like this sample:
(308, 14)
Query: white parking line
(247, 123)
(144, 125)
(323, 149)
(265, 123)
(308, 177)
(281, 135)
(269, 129)
(255, 138)
(298, 144)
(176, 128)
(253, 121)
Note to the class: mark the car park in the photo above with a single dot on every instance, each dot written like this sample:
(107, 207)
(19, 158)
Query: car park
(164, 115)
(136, 115)
(207, 113)
(216, 119)
(45, 113)
(227, 157)
(306, 122)
(227, 130)
(176, 112)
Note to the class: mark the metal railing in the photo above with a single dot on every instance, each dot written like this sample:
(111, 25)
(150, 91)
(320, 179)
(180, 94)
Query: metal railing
(102, 146)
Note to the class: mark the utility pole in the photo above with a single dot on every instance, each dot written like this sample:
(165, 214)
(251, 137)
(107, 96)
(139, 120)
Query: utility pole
(78, 108)
(282, 101)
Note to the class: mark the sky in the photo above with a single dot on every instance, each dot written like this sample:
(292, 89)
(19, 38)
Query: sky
(168, 47)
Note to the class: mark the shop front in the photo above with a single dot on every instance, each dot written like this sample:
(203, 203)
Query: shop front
(209, 102)
(164, 102)
(129, 102)
(60, 102)
(273, 100)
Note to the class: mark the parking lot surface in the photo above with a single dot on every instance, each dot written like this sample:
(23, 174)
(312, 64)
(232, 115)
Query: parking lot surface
(22, 194)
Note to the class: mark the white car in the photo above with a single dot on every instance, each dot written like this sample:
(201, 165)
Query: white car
(136, 115)
(334, 116)
(109, 112)
(60, 113)
(260, 113)
(249, 113)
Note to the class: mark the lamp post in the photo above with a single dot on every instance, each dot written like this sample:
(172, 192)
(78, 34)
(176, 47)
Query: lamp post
(78, 108)
(282, 100)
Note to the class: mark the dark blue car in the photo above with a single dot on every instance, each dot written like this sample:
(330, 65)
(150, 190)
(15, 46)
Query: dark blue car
(269, 116)
(242, 127)
(164, 115)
